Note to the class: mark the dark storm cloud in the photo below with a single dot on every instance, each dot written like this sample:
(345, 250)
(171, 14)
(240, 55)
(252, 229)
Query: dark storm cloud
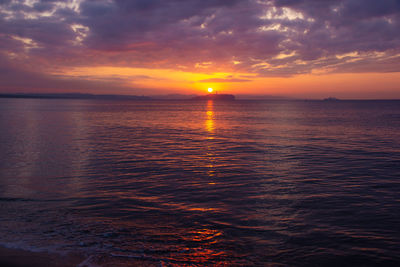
(269, 38)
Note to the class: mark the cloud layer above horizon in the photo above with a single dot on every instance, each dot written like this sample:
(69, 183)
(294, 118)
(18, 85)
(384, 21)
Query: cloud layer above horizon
(264, 38)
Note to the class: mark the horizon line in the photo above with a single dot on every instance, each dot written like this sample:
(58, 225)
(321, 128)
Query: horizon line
(170, 97)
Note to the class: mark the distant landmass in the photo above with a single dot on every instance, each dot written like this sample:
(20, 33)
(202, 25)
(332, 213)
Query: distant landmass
(173, 97)
(119, 97)
(331, 99)
(150, 97)
(75, 96)
(263, 97)
(225, 97)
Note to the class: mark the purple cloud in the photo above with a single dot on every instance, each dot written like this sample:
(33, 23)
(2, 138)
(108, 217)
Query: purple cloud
(266, 38)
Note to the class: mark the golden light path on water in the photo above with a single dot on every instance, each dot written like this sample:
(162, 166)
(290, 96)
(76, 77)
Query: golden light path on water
(210, 118)
(210, 128)
(202, 183)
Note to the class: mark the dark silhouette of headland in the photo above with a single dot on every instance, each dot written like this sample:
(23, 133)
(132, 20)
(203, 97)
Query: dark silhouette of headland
(74, 96)
(224, 97)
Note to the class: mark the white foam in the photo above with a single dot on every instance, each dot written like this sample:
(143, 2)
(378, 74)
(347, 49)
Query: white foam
(88, 262)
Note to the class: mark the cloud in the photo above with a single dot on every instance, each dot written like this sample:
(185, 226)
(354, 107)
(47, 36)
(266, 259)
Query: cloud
(14, 79)
(224, 80)
(263, 37)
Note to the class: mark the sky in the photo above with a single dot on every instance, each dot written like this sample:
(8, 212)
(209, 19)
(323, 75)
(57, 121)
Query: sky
(293, 48)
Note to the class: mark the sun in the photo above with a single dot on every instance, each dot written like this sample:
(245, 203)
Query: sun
(210, 90)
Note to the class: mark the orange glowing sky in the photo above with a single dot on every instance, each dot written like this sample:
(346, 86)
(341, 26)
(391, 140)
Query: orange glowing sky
(301, 49)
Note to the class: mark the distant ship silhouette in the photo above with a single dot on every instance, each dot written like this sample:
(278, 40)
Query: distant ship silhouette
(225, 97)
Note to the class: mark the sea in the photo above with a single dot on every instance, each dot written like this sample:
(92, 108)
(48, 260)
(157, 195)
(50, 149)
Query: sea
(202, 183)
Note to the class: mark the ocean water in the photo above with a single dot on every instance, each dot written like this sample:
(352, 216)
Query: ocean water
(175, 183)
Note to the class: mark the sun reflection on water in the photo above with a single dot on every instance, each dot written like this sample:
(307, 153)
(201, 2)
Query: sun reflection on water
(210, 127)
(204, 252)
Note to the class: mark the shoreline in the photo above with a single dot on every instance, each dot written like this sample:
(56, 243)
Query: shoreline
(13, 257)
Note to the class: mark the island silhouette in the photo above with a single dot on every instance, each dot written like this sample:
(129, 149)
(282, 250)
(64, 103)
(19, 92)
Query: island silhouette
(225, 97)
(214, 96)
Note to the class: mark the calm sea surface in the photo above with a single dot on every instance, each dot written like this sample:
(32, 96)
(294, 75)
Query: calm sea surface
(304, 183)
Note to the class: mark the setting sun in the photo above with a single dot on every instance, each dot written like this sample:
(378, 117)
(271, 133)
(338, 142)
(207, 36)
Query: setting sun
(210, 90)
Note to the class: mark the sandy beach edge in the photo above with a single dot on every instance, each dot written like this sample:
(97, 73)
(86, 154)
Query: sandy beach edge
(11, 257)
